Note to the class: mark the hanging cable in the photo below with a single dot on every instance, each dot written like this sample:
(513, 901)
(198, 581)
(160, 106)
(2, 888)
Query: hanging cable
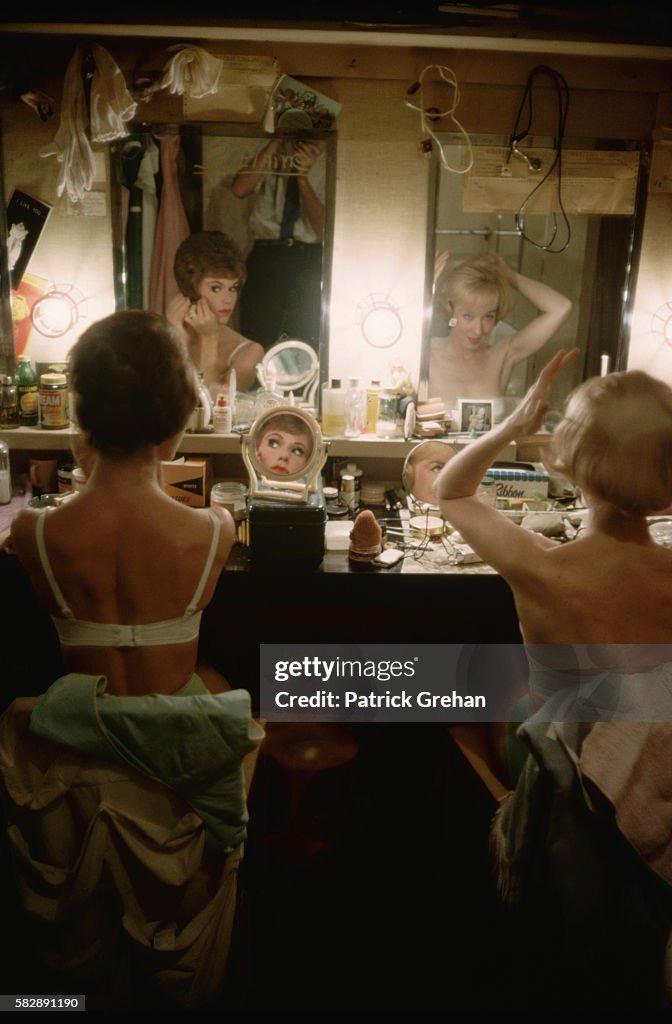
(534, 164)
(431, 114)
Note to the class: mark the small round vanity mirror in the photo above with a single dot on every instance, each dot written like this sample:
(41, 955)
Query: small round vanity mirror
(285, 444)
(293, 366)
(423, 464)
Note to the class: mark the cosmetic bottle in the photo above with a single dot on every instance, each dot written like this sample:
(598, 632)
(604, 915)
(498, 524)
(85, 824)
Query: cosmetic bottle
(386, 422)
(372, 397)
(5, 478)
(222, 414)
(333, 409)
(354, 408)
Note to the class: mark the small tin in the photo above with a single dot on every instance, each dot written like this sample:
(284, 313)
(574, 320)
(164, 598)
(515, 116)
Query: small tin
(53, 393)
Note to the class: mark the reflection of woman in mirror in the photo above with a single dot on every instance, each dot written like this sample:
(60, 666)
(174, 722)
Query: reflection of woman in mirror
(422, 467)
(611, 585)
(286, 182)
(285, 445)
(477, 295)
(210, 271)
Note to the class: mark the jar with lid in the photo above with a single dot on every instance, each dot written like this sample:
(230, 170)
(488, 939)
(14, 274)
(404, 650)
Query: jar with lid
(25, 380)
(53, 397)
(5, 477)
(9, 409)
(231, 495)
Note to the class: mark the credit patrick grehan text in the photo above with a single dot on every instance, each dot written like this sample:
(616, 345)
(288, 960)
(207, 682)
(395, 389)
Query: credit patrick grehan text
(354, 699)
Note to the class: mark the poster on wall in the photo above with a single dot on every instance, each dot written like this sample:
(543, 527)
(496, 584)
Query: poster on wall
(26, 218)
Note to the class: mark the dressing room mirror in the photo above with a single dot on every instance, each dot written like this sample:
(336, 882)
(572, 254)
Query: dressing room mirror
(293, 368)
(421, 468)
(288, 279)
(589, 256)
(284, 453)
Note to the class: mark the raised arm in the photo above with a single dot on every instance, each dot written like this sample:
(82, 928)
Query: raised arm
(505, 546)
(247, 179)
(305, 155)
(553, 307)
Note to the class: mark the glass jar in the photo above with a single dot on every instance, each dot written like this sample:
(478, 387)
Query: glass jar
(53, 398)
(9, 409)
(232, 496)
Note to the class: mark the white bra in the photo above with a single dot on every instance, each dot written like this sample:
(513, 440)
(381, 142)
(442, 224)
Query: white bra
(75, 632)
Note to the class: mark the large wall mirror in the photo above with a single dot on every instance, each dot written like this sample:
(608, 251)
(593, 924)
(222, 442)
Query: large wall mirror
(209, 158)
(589, 257)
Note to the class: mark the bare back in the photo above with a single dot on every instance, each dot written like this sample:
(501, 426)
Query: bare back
(131, 559)
(596, 590)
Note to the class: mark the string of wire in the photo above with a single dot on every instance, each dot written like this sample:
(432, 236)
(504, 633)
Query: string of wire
(562, 100)
(426, 115)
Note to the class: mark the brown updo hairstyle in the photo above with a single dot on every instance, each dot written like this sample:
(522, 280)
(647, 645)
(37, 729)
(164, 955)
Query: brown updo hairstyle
(615, 441)
(133, 383)
(471, 280)
(207, 254)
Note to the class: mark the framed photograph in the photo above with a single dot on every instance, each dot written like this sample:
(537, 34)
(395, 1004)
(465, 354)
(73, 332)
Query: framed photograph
(475, 414)
(26, 218)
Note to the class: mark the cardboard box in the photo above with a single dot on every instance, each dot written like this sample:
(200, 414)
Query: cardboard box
(516, 484)
(188, 480)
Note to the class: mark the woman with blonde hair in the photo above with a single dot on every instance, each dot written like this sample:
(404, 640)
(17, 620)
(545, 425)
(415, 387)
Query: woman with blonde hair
(607, 593)
(477, 295)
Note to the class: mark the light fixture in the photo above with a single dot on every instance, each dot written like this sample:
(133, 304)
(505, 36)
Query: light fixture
(58, 311)
(380, 322)
(662, 322)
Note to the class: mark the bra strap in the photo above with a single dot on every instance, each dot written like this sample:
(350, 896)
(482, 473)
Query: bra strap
(214, 544)
(46, 567)
(236, 350)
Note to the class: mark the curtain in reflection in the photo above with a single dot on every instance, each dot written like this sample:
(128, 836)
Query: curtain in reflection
(172, 227)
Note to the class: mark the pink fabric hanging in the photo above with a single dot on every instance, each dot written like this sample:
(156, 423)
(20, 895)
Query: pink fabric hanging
(172, 227)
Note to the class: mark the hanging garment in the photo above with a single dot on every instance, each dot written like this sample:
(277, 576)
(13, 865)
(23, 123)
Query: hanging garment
(172, 227)
(112, 869)
(146, 182)
(110, 102)
(131, 155)
(192, 70)
(70, 145)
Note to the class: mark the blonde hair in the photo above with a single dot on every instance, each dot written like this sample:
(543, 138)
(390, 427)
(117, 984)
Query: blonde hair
(615, 441)
(472, 279)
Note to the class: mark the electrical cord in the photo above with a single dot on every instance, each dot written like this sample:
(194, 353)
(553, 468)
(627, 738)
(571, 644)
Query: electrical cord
(534, 164)
(448, 76)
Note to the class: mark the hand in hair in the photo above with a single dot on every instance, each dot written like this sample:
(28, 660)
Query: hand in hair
(528, 416)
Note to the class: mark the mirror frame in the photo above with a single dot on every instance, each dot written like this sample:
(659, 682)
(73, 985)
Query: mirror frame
(294, 487)
(306, 385)
(616, 346)
(415, 502)
(197, 129)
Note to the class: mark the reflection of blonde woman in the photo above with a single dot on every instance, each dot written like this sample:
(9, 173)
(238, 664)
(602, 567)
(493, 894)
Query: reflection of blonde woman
(422, 467)
(477, 295)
